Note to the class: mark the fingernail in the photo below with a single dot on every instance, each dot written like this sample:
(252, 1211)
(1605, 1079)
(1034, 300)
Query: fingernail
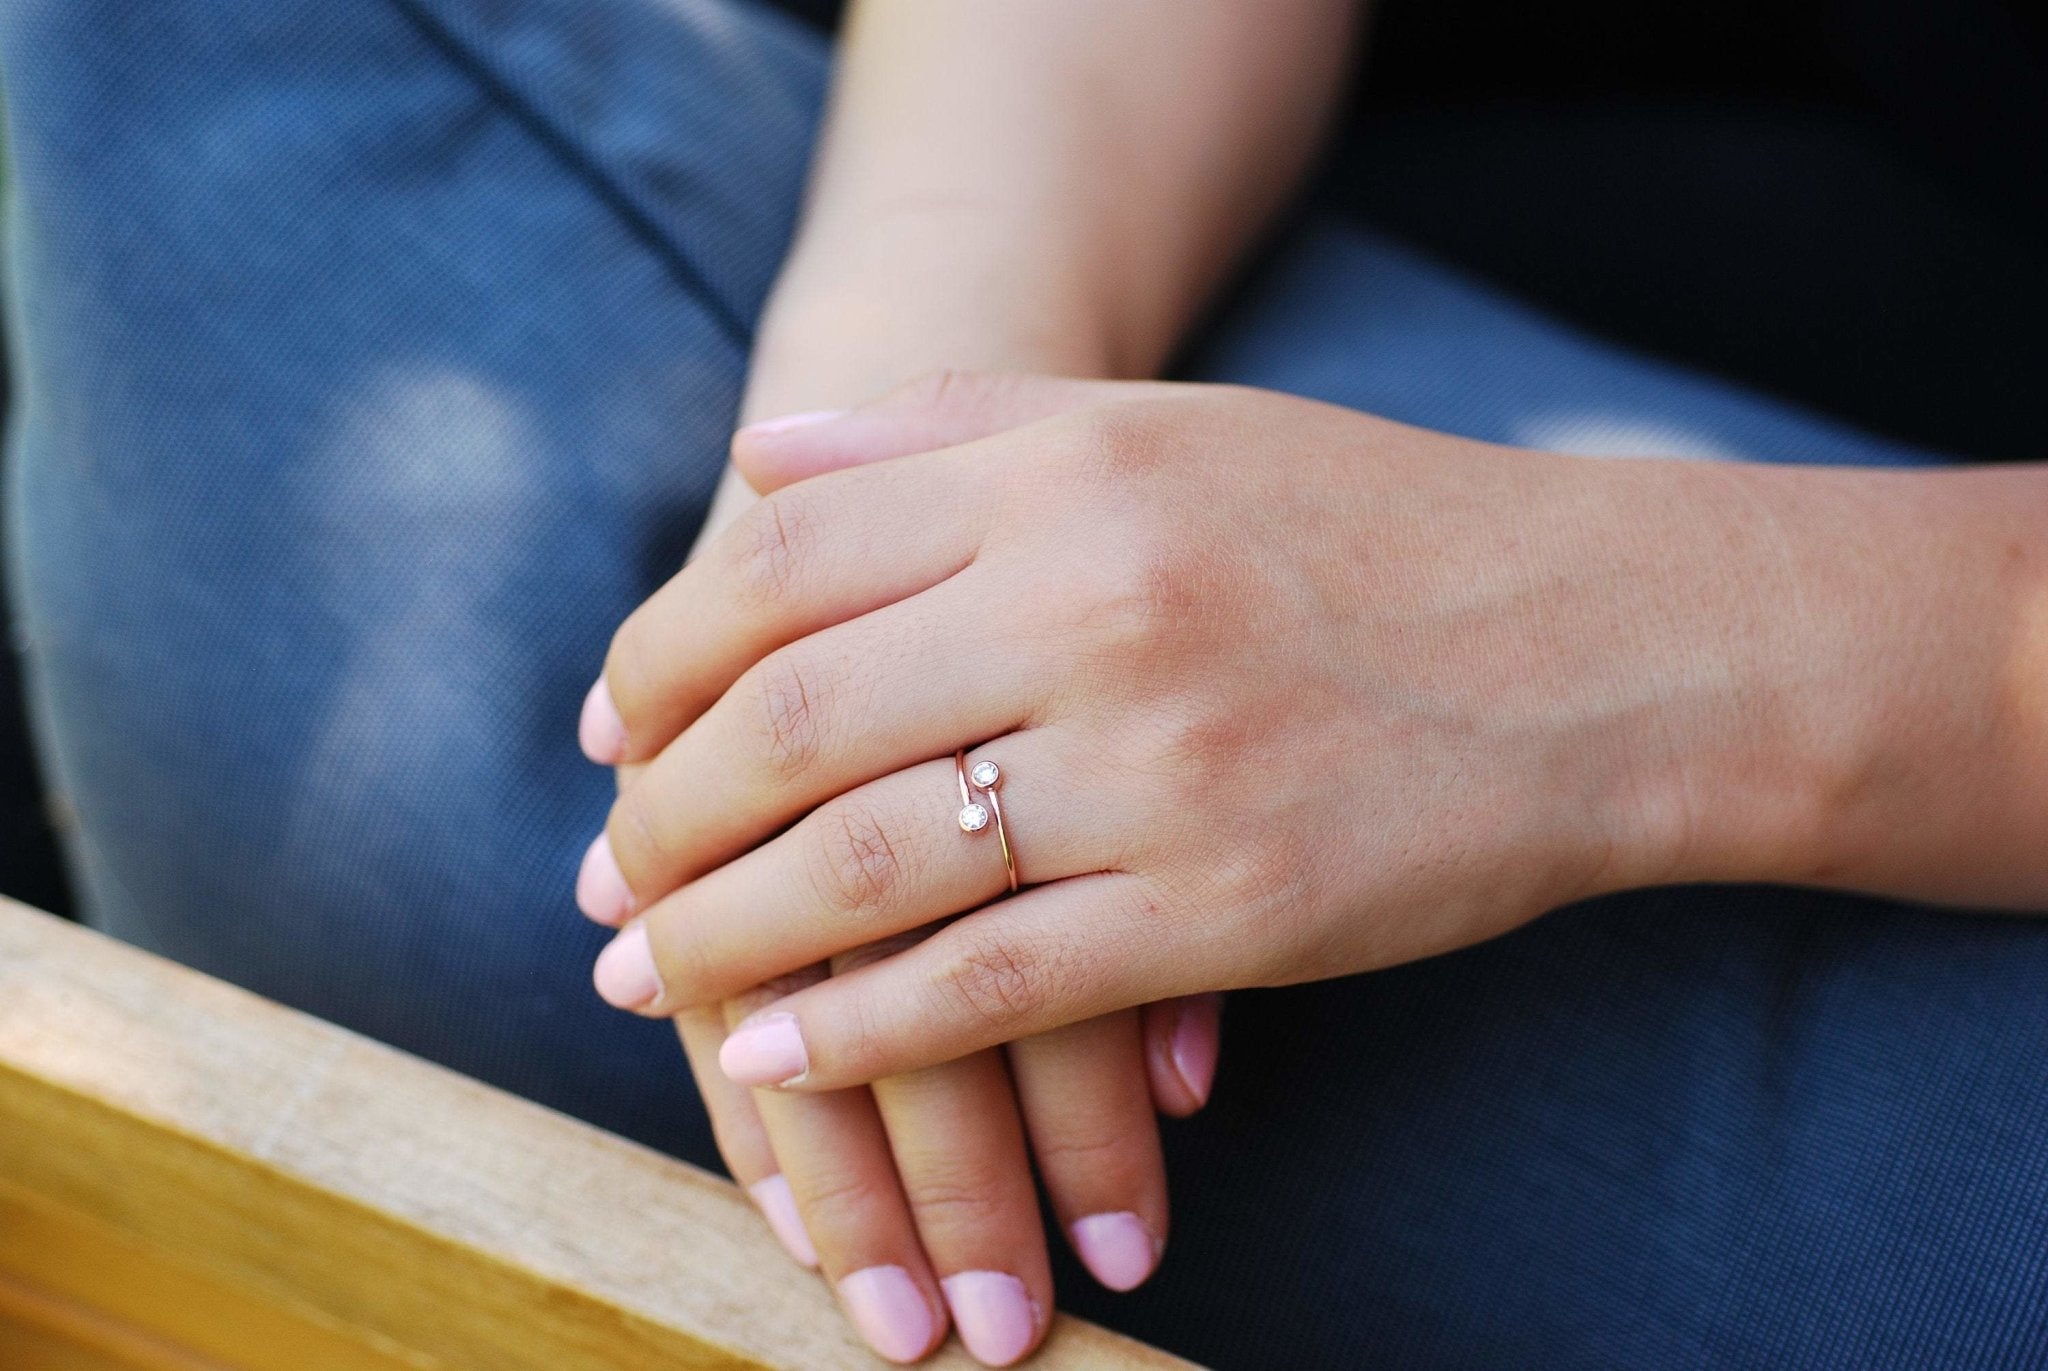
(768, 428)
(1118, 1249)
(600, 729)
(778, 1206)
(1197, 1039)
(996, 1316)
(601, 891)
(890, 1311)
(625, 973)
(765, 1051)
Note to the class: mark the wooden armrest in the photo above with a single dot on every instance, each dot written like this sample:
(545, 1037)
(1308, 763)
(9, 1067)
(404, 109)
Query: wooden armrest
(192, 1177)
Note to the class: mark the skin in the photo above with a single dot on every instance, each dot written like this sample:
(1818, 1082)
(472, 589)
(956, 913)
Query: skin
(1284, 691)
(967, 210)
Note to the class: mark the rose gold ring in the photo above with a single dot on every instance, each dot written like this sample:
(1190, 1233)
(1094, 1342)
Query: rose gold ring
(983, 778)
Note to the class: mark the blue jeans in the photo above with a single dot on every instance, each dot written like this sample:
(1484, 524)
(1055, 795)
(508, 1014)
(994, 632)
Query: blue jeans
(375, 359)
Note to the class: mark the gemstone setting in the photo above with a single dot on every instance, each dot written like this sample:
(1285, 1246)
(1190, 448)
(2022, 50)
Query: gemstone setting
(986, 775)
(973, 818)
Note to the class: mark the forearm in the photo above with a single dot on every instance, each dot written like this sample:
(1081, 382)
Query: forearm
(1053, 186)
(1898, 739)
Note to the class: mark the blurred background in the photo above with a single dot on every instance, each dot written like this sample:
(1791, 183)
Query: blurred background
(1841, 202)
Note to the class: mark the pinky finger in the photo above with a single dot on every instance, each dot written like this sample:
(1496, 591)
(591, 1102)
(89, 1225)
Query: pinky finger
(1054, 955)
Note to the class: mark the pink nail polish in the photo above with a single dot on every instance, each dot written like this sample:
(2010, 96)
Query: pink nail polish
(600, 729)
(996, 1316)
(1197, 1041)
(625, 974)
(778, 1206)
(601, 891)
(768, 428)
(890, 1311)
(766, 1051)
(1117, 1248)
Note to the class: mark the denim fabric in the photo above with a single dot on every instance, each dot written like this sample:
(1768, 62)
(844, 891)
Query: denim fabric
(376, 359)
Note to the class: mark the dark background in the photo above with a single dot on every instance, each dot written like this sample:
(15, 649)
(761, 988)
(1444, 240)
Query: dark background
(1841, 202)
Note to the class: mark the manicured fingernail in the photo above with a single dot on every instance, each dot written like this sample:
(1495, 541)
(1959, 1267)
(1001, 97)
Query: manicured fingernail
(778, 1206)
(601, 891)
(768, 428)
(600, 729)
(765, 1051)
(1197, 1039)
(625, 973)
(1118, 1249)
(996, 1316)
(890, 1311)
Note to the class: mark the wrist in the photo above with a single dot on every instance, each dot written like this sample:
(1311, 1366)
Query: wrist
(1881, 699)
(855, 313)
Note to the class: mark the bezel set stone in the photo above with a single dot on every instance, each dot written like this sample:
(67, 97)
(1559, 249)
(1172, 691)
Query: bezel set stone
(973, 818)
(986, 774)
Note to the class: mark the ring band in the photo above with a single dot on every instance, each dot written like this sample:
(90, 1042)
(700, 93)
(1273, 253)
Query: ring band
(984, 777)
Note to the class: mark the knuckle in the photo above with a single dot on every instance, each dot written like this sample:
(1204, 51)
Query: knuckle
(629, 668)
(641, 843)
(1109, 1160)
(790, 701)
(995, 982)
(770, 546)
(1201, 745)
(861, 867)
(942, 387)
(953, 1194)
(1121, 442)
(686, 981)
(1269, 873)
(840, 1200)
(1143, 600)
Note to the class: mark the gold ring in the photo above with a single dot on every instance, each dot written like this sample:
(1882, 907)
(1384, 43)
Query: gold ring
(984, 777)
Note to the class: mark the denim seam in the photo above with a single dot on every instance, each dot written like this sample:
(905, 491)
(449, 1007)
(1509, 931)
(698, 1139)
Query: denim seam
(580, 164)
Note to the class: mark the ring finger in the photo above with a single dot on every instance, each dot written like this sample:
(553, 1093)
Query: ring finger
(884, 858)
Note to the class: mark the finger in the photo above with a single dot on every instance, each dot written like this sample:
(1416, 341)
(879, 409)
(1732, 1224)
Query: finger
(1089, 1111)
(1183, 1038)
(601, 891)
(835, 1154)
(939, 410)
(959, 1148)
(742, 1137)
(817, 718)
(809, 557)
(881, 859)
(1051, 956)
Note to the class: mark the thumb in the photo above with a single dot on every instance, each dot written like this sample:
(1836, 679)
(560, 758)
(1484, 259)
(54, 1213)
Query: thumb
(941, 409)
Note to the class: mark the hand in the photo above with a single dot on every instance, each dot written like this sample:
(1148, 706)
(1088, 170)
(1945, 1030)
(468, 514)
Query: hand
(921, 1186)
(964, 209)
(1281, 691)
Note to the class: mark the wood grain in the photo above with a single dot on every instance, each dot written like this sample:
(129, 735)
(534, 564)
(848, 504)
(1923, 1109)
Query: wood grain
(192, 1174)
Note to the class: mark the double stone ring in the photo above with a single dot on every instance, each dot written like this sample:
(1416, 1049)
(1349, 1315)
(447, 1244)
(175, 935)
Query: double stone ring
(975, 815)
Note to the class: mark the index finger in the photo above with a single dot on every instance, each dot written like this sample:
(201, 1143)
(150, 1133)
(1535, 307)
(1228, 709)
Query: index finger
(805, 558)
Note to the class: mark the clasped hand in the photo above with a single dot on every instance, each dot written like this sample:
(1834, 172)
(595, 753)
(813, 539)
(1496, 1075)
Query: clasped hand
(1280, 691)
